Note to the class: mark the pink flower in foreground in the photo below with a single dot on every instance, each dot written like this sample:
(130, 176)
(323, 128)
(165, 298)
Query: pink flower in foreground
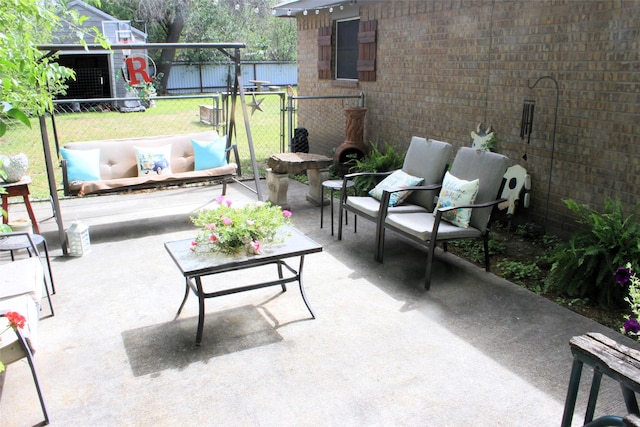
(228, 202)
(286, 213)
(256, 246)
(213, 238)
(220, 199)
(211, 226)
(226, 221)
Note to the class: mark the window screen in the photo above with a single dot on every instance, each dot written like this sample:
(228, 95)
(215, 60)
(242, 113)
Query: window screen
(347, 49)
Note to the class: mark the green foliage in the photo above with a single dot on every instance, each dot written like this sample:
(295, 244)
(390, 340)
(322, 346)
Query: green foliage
(28, 79)
(474, 249)
(585, 265)
(229, 229)
(376, 161)
(518, 271)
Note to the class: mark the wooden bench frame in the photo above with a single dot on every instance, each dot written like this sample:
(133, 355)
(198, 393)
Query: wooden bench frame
(607, 357)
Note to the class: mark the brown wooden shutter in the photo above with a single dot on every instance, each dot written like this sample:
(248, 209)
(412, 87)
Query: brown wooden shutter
(324, 53)
(367, 51)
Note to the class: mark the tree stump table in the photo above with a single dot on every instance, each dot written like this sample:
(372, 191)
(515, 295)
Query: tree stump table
(281, 165)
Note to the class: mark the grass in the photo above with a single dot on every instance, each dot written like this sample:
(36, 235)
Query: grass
(168, 117)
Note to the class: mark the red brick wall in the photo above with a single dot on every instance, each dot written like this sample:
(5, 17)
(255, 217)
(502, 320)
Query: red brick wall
(445, 66)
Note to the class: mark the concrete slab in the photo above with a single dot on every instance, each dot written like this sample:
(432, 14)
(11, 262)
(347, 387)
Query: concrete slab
(474, 350)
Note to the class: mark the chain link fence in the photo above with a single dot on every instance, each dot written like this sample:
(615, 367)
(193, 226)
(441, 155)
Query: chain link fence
(272, 117)
(95, 119)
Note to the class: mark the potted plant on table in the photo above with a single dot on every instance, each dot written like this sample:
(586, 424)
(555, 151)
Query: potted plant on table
(232, 230)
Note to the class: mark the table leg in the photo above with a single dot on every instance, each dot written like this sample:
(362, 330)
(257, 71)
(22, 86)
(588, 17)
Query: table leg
(593, 395)
(200, 310)
(321, 205)
(302, 292)
(630, 400)
(280, 276)
(331, 204)
(5, 207)
(34, 222)
(184, 300)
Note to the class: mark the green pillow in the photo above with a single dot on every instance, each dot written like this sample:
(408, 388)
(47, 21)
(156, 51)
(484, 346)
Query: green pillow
(209, 154)
(82, 165)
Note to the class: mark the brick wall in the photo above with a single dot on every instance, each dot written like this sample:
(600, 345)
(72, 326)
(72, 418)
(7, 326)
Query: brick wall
(445, 66)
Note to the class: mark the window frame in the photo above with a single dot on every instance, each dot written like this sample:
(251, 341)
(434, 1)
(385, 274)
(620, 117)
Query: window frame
(353, 68)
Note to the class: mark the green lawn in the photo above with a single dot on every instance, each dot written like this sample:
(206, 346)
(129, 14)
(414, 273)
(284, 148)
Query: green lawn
(169, 116)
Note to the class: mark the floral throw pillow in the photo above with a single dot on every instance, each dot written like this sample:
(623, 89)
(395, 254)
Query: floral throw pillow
(457, 192)
(395, 180)
(153, 160)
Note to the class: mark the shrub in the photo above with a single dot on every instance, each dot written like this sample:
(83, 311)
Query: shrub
(376, 161)
(585, 265)
(519, 271)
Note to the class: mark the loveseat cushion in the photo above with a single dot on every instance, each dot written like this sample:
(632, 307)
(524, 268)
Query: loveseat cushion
(119, 166)
(22, 277)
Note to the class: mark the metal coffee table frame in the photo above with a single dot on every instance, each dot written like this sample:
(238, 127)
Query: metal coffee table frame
(194, 266)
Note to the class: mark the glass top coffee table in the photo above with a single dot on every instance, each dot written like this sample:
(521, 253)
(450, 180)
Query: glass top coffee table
(194, 266)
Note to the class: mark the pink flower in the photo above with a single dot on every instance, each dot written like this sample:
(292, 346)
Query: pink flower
(256, 246)
(211, 226)
(213, 238)
(226, 221)
(286, 213)
(228, 202)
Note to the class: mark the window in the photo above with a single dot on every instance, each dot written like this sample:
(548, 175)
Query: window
(351, 54)
(347, 49)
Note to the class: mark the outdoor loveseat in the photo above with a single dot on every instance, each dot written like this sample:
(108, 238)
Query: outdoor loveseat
(104, 166)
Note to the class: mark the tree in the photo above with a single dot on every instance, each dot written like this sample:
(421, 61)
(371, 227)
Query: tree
(165, 20)
(248, 21)
(29, 79)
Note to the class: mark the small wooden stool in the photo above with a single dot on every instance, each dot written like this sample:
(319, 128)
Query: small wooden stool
(607, 357)
(15, 189)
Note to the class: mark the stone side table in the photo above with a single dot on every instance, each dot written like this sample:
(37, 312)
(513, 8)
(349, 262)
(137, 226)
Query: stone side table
(281, 165)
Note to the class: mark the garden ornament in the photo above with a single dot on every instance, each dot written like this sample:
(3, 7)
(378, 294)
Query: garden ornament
(14, 167)
(482, 138)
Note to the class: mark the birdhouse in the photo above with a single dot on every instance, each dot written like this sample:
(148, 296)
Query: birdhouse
(78, 239)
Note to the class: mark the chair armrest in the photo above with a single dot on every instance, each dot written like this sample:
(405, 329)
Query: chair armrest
(438, 214)
(386, 196)
(473, 206)
(65, 177)
(356, 174)
(234, 148)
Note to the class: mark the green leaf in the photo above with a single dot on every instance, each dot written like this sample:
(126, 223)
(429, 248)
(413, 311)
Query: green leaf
(19, 115)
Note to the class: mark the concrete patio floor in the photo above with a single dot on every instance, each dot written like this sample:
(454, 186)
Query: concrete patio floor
(475, 350)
